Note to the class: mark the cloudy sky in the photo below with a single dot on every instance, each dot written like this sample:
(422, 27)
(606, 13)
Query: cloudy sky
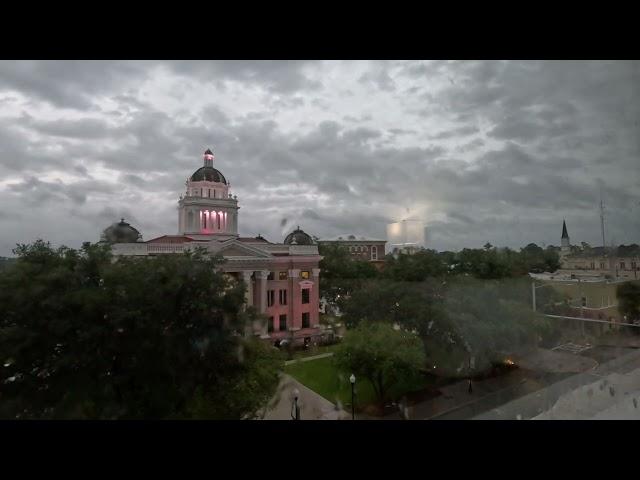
(482, 151)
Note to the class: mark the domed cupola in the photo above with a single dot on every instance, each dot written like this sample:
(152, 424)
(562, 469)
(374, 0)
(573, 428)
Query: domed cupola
(298, 237)
(208, 208)
(207, 173)
(121, 232)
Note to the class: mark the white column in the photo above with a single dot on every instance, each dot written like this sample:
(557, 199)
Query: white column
(246, 275)
(263, 275)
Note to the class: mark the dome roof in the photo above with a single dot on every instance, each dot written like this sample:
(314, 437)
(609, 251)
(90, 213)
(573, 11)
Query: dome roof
(121, 232)
(298, 237)
(208, 174)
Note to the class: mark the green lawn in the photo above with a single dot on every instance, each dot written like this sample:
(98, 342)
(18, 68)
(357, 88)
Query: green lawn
(323, 377)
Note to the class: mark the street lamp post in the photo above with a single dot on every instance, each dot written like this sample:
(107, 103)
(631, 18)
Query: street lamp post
(352, 379)
(534, 287)
(295, 408)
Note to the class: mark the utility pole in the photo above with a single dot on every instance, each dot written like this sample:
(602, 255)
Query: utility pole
(602, 219)
(533, 294)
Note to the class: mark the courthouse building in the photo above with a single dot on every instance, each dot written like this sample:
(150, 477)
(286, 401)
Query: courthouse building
(282, 278)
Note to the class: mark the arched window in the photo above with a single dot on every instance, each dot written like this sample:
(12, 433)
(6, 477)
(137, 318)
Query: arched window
(374, 253)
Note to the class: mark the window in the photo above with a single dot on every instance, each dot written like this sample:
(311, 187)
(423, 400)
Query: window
(305, 320)
(214, 194)
(209, 193)
(593, 265)
(601, 265)
(374, 253)
(304, 274)
(271, 276)
(270, 325)
(282, 275)
(283, 323)
(584, 301)
(305, 295)
(633, 265)
(622, 266)
(271, 295)
(283, 297)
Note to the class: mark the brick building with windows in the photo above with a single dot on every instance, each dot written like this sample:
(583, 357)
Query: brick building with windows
(360, 248)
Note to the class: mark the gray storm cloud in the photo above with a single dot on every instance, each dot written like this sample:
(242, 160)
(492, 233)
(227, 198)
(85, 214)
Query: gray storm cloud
(485, 151)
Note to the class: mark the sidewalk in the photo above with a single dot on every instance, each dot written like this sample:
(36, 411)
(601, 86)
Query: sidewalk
(312, 405)
(308, 359)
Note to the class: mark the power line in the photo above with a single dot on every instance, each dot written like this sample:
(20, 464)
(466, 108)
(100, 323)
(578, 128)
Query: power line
(602, 218)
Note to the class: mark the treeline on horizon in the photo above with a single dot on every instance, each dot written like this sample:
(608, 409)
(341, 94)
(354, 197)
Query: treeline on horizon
(488, 262)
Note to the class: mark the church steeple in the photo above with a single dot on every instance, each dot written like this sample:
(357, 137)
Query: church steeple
(565, 244)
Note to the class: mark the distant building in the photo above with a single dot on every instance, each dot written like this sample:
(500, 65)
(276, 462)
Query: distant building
(406, 236)
(593, 298)
(360, 248)
(282, 278)
(616, 263)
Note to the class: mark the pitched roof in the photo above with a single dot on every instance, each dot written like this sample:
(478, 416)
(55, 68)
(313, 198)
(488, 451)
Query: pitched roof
(171, 239)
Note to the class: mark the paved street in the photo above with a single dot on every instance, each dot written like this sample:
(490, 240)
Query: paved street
(614, 397)
(537, 403)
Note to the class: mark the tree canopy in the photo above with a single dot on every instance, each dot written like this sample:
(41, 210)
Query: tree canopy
(382, 355)
(628, 294)
(82, 336)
